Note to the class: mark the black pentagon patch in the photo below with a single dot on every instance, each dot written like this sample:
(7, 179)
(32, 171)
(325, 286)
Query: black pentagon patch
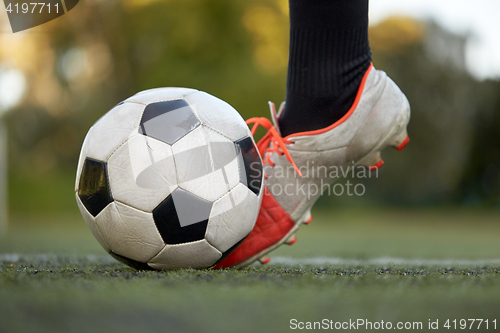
(140, 266)
(168, 121)
(182, 217)
(250, 164)
(93, 188)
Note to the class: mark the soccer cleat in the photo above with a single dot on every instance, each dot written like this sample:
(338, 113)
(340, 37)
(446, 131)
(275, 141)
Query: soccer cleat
(294, 175)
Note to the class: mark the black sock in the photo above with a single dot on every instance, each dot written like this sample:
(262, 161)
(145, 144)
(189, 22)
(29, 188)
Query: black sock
(329, 55)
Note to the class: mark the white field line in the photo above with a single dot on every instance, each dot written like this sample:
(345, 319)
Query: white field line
(383, 261)
(16, 257)
(276, 261)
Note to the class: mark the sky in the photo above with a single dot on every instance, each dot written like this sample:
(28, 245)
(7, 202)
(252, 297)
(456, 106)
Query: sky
(478, 18)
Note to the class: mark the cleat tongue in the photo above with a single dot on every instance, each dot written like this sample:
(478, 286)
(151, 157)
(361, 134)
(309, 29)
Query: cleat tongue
(265, 260)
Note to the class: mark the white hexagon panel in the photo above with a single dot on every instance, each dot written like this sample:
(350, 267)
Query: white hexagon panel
(206, 163)
(90, 220)
(112, 130)
(142, 172)
(160, 94)
(218, 115)
(199, 254)
(129, 232)
(232, 217)
(109, 132)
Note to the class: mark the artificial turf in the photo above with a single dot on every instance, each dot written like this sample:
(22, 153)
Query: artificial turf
(59, 280)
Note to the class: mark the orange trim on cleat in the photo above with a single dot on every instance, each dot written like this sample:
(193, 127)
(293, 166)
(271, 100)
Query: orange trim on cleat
(345, 117)
(376, 166)
(272, 135)
(265, 260)
(293, 241)
(403, 144)
(309, 220)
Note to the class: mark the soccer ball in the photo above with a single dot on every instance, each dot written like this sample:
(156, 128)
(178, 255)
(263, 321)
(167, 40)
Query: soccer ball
(169, 178)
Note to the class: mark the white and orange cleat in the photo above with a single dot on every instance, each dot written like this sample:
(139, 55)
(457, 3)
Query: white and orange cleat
(295, 164)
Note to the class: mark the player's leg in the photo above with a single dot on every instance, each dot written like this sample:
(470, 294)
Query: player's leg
(329, 55)
(343, 112)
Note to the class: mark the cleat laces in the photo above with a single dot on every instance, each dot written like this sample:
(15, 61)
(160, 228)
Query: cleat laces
(271, 142)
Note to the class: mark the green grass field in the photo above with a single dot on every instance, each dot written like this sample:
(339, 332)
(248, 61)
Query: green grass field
(391, 265)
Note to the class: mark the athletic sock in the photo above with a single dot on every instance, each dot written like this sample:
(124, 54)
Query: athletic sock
(329, 55)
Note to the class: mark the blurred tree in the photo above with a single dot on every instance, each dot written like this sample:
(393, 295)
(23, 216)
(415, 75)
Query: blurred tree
(107, 51)
(80, 65)
(428, 63)
(481, 180)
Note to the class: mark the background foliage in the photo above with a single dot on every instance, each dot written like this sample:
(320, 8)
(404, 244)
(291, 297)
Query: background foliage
(379, 263)
(80, 65)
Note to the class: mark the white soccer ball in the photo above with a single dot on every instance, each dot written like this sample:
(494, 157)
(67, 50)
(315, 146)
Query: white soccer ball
(169, 178)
